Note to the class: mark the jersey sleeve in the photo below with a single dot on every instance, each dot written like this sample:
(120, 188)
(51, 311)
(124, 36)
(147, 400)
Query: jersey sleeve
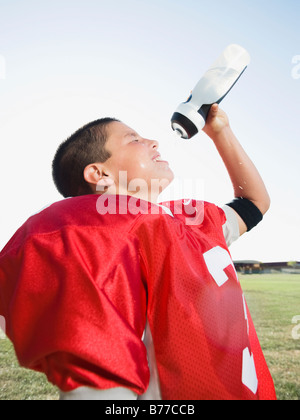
(74, 309)
(231, 226)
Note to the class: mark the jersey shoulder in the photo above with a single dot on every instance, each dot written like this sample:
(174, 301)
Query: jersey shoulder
(196, 212)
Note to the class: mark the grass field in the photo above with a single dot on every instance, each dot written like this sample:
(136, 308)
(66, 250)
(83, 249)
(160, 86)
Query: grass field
(274, 300)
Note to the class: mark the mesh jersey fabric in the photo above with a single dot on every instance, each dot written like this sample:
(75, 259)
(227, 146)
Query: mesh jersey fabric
(79, 279)
(208, 324)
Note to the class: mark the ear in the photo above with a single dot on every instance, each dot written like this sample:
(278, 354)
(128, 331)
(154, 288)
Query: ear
(95, 176)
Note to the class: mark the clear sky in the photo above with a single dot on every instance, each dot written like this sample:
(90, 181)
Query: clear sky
(65, 63)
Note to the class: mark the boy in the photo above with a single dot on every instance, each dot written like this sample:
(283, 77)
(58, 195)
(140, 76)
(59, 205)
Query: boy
(115, 297)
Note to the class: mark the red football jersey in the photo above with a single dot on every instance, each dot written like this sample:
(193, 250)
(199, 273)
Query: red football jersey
(79, 280)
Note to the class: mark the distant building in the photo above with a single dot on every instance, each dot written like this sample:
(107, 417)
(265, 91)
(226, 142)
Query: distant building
(257, 267)
(248, 266)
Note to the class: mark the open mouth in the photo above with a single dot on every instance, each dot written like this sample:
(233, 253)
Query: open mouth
(157, 158)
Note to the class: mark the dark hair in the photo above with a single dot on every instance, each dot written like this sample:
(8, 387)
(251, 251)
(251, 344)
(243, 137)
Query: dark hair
(85, 146)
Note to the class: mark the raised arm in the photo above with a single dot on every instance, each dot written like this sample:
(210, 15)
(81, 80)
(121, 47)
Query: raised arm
(246, 180)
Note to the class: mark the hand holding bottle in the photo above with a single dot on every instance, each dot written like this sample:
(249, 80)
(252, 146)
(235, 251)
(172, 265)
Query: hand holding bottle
(190, 116)
(216, 121)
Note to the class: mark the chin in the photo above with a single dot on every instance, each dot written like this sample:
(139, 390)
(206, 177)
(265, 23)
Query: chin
(165, 182)
(170, 176)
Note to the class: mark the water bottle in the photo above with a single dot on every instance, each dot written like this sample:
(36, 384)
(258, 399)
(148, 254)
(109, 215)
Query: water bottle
(190, 117)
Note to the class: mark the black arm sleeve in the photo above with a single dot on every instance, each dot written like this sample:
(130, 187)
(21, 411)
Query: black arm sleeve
(248, 211)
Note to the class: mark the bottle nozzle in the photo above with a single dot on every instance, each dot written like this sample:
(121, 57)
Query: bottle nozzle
(178, 133)
(179, 130)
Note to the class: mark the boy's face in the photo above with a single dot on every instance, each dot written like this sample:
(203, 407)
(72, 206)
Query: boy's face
(135, 155)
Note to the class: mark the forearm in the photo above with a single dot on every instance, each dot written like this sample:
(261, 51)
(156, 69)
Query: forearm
(245, 178)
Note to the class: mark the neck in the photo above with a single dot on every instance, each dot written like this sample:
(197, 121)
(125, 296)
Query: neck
(151, 198)
(143, 195)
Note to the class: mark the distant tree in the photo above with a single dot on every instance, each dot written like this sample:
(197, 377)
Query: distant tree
(292, 264)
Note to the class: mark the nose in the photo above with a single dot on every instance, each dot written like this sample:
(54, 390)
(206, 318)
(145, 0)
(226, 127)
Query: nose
(154, 144)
